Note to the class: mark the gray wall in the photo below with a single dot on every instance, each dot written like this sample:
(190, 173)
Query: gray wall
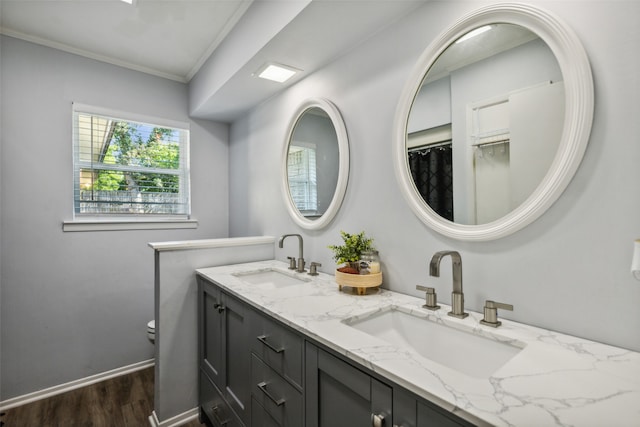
(568, 271)
(76, 304)
(1, 139)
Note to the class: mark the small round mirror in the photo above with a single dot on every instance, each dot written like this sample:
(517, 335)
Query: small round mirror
(315, 164)
(493, 122)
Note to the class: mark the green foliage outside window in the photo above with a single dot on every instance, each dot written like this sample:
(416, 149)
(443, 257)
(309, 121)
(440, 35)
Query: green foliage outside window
(128, 147)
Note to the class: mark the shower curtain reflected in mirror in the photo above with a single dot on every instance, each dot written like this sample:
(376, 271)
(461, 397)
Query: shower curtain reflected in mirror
(432, 173)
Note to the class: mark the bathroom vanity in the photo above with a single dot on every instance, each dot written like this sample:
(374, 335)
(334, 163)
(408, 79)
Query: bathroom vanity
(280, 348)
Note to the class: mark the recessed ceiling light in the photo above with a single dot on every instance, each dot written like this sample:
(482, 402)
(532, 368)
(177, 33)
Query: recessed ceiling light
(474, 33)
(276, 72)
(128, 1)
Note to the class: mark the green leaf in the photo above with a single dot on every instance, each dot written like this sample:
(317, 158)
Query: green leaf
(351, 250)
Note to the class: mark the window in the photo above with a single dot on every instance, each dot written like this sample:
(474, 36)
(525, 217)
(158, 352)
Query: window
(126, 168)
(301, 170)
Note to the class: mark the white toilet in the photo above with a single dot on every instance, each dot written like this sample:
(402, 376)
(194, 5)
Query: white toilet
(151, 331)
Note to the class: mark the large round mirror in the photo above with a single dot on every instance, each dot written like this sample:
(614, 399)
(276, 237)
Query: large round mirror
(315, 164)
(493, 122)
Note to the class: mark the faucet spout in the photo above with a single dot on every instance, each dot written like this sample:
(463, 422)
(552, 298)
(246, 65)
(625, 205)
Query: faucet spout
(457, 296)
(300, 250)
(456, 265)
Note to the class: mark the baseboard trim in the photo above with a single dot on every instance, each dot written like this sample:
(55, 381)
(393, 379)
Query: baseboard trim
(176, 421)
(72, 385)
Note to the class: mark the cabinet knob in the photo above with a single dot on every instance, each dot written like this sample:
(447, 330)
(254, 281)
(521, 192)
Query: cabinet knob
(219, 307)
(377, 420)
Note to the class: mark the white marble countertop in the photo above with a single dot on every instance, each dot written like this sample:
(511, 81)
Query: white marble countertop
(555, 380)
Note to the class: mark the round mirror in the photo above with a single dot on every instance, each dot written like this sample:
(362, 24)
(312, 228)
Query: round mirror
(493, 122)
(315, 164)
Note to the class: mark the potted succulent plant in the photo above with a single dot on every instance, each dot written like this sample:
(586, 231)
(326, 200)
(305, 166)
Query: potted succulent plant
(354, 245)
(349, 254)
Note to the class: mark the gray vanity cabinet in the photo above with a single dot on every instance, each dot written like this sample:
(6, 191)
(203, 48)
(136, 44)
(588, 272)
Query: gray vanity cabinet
(256, 371)
(225, 354)
(340, 395)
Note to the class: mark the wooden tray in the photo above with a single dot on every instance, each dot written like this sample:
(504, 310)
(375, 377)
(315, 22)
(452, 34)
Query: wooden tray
(358, 281)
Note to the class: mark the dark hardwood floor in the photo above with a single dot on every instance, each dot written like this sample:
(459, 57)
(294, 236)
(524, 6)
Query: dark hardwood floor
(125, 401)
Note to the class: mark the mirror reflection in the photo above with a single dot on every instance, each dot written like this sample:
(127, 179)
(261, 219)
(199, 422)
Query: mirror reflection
(313, 162)
(486, 123)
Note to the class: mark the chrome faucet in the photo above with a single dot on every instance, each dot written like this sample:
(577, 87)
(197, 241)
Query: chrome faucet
(300, 268)
(457, 297)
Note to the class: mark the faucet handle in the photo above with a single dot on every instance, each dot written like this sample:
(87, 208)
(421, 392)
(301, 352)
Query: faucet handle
(491, 313)
(313, 268)
(292, 263)
(431, 298)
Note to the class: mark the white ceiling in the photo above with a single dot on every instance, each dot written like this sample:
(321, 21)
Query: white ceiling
(169, 38)
(175, 38)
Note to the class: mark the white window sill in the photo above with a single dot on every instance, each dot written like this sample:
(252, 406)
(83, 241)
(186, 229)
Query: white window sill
(113, 225)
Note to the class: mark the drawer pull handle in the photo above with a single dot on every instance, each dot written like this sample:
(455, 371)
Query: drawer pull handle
(263, 340)
(214, 412)
(263, 386)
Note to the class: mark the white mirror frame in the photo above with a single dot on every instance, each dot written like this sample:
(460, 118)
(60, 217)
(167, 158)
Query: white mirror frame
(343, 167)
(578, 81)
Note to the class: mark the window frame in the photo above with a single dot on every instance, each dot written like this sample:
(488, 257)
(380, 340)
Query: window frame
(308, 153)
(134, 221)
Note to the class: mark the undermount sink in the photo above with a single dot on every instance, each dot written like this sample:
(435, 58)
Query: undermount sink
(269, 278)
(466, 352)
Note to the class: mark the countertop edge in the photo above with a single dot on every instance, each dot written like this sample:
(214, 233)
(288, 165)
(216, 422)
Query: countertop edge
(182, 245)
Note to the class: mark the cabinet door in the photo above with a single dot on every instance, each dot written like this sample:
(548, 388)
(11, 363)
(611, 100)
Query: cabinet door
(404, 409)
(224, 346)
(430, 415)
(210, 335)
(409, 412)
(340, 395)
(237, 356)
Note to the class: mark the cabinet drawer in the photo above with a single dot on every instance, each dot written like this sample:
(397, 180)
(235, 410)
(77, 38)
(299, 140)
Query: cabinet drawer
(278, 398)
(278, 347)
(260, 417)
(214, 406)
